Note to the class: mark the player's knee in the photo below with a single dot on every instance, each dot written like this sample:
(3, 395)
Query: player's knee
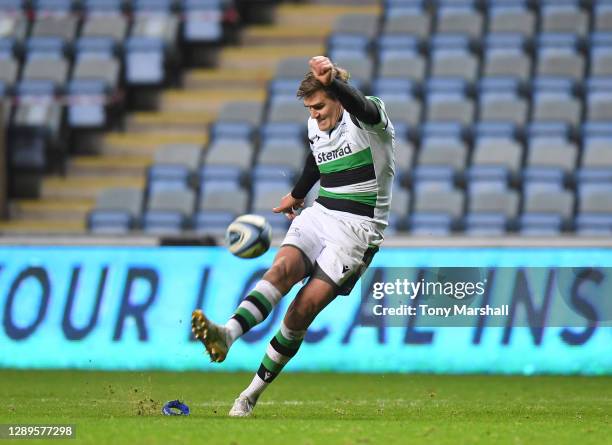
(303, 309)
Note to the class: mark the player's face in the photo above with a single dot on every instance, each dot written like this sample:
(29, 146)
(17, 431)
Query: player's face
(324, 110)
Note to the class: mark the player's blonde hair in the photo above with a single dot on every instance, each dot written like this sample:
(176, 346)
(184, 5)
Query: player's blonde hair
(311, 85)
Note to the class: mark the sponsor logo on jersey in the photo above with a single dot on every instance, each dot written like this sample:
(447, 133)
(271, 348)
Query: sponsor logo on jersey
(334, 154)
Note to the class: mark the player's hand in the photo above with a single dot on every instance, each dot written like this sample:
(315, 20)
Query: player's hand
(288, 205)
(323, 69)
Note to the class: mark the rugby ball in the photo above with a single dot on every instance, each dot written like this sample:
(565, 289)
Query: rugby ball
(248, 236)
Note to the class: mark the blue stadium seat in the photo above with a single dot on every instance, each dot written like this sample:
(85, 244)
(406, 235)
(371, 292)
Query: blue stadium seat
(203, 21)
(144, 61)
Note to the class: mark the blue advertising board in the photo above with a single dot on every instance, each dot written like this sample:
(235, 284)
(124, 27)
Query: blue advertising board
(129, 308)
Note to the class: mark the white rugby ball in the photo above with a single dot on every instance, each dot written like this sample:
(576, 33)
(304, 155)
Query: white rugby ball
(248, 236)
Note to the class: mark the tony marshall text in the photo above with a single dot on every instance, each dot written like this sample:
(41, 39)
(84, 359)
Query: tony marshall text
(456, 309)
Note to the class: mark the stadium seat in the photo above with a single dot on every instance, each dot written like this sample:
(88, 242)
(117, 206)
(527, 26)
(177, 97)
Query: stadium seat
(203, 21)
(500, 101)
(412, 20)
(266, 195)
(557, 56)
(449, 107)
(227, 159)
(437, 209)
(440, 159)
(399, 58)
(596, 166)
(361, 70)
(599, 101)
(563, 16)
(451, 57)
(556, 106)
(169, 211)
(404, 159)
(491, 211)
(287, 110)
(511, 17)
(505, 56)
(398, 211)
(602, 16)
(601, 58)
(278, 159)
(238, 120)
(460, 19)
(550, 159)
(175, 167)
(594, 210)
(220, 203)
(496, 159)
(117, 211)
(546, 210)
(113, 26)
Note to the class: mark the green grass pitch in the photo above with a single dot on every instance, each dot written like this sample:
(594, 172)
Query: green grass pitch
(124, 408)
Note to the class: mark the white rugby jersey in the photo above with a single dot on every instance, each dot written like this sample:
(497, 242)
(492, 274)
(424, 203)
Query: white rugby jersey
(356, 163)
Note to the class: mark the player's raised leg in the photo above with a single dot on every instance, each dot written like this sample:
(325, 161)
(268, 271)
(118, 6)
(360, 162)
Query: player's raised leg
(311, 300)
(287, 269)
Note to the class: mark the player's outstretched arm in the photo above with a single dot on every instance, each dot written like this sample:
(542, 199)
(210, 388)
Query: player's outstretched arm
(351, 99)
(295, 200)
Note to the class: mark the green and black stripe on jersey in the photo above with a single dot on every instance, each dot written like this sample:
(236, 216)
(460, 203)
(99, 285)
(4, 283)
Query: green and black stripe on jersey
(348, 172)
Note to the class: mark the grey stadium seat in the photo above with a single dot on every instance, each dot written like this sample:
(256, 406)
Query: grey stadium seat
(556, 106)
(503, 107)
(460, 20)
(561, 62)
(117, 210)
(484, 200)
(124, 198)
(450, 107)
(292, 68)
(407, 66)
(564, 18)
(546, 200)
(8, 71)
(169, 211)
(359, 68)
(366, 24)
(236, 153)
(188, 155)
(555, 154)
(414, 21)
(602, 17)
(64, 26)
(511, 18)
(250, 112)
(55, 70)
(216, 198)
(113, 26)
(402, 110)
(454, 63)
(107, 70)
(178, 200)
(599, 106)
(497, 152)
(287, 110)
(507, 62)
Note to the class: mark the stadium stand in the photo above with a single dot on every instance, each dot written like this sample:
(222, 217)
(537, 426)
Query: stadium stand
(502, 109)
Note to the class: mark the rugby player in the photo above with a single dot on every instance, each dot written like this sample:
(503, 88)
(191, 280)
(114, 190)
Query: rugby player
(333, 241)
